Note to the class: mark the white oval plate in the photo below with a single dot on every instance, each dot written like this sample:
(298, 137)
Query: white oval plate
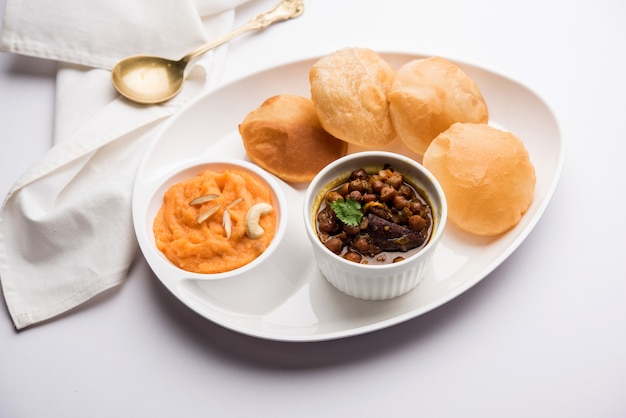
(286, 298)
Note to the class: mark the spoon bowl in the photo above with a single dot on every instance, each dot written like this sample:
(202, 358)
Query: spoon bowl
(148, 80)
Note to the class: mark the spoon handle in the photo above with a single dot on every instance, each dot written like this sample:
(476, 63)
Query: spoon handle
(286, 9)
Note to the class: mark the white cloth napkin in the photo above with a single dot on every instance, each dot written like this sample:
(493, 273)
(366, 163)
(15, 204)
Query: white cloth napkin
(65, 227)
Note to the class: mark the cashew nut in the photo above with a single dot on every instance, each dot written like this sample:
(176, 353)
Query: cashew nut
(253, 229)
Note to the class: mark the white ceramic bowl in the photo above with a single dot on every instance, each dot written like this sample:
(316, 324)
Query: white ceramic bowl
(146, 210)
(374, 281)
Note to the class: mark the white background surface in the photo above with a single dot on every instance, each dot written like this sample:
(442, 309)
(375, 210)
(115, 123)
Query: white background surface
(544, 335)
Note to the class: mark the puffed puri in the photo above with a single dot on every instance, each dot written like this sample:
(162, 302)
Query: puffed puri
(349, 90)
(430, 94)
(486, 175)
(284, 136)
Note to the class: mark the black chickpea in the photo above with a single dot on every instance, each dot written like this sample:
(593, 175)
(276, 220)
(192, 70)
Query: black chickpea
(333, 196)
(359, 174)
(334, 244)
(416, 207)
(355, 195)
(362, 244)
(387, 193)
(416, 222)
(395, 181)
(377, 186)
(405, 191)
(351, 229)
(358, 185)
(400, 202)
(353, 256)
(369, 197)
(327, 222)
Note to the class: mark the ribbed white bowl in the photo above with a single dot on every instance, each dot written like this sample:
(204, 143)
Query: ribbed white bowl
(366, 281)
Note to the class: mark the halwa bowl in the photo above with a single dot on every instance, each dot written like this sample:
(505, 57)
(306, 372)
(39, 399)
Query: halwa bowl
(374, 281)
(154, 197)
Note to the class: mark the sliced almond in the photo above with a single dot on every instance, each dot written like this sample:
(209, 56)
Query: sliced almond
(205, 215)
(203, 199)
(234, 203)
(226, 223)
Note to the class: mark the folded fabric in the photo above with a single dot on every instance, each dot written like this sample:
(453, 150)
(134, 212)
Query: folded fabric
(100, 33)
(65, 227)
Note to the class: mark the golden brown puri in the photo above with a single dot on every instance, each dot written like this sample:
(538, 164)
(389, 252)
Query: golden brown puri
(430, 94)
(486, 174)
(284, 137)
(349, 90)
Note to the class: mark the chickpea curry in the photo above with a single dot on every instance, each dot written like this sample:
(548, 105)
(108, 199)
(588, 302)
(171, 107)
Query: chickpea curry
(215, 222)
(376, 218)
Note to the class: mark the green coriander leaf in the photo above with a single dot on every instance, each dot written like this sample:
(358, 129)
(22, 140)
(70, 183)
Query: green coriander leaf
(348, 211)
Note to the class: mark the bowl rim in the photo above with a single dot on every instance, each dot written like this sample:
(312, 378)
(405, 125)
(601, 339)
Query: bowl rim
(317, 184)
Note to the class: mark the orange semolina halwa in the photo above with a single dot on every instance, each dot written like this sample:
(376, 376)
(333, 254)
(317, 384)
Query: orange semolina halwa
(205, 247)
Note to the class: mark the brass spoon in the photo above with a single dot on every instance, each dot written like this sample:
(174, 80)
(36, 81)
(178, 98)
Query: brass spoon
(147, 79)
